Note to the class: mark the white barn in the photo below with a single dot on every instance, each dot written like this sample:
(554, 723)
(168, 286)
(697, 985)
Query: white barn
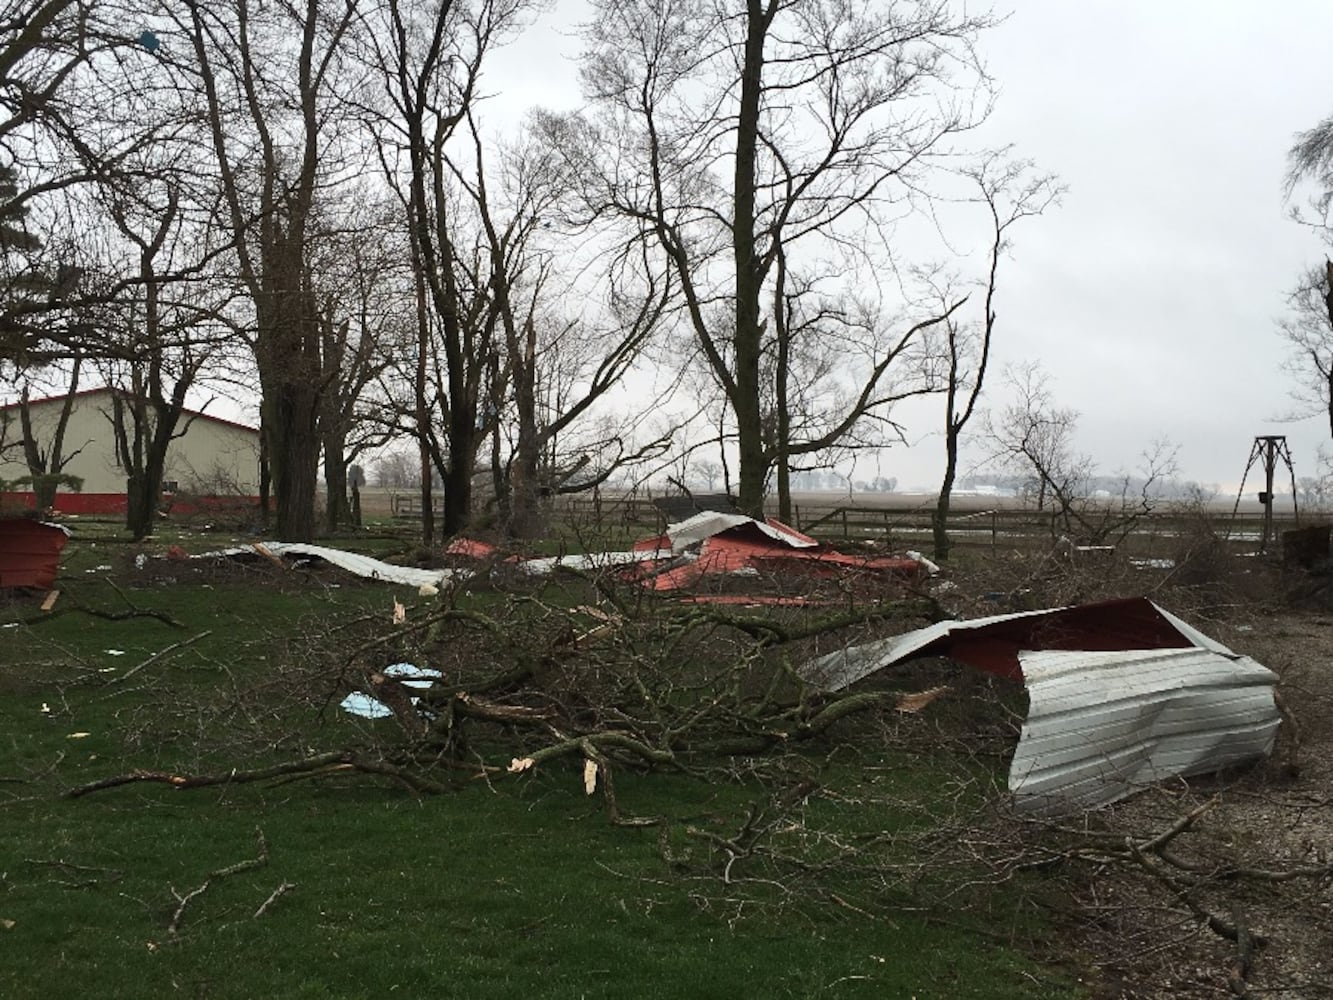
(210, 457)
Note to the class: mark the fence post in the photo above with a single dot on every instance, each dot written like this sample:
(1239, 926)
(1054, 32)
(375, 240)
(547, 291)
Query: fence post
(845, 535)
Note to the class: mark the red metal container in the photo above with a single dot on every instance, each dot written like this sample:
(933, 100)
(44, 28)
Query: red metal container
(30, 552)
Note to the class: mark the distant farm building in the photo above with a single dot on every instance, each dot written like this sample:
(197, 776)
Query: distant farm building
(210, 457)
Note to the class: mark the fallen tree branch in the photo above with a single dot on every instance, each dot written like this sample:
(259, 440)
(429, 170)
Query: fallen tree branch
(1185, 894)
(111, 616)
(159, 654)
(221, 873)
(281, 890)
(1238, 979)
(337, 760)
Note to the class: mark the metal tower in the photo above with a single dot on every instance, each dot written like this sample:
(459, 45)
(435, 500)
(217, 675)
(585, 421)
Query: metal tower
(1269, 448)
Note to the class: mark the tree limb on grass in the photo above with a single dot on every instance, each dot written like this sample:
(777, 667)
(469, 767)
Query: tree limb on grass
(338, 760)
(159, 654)
(221, 873)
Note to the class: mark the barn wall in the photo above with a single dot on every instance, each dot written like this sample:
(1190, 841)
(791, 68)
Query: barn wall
(210, 457)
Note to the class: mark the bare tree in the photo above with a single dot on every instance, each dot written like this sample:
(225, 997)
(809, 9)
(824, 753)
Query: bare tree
(1010, 191)
(164, 329)
(1310, 159)
(567, 334)
(44, 447)
(364, 314)
(63, 64)
(266, 74)
(1309, 327)
(1308, 330)
(428, 59)
(1034, 437)
(755, 142)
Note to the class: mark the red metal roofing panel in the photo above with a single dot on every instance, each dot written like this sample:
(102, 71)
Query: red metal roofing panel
(29, 553)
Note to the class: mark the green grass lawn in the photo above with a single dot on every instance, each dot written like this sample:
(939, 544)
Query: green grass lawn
(513, 887)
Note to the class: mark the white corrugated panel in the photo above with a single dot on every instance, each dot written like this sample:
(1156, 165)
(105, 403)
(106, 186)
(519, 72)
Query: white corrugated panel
(363, 566)
(708, 523)
(1103, 725)
(587, 561)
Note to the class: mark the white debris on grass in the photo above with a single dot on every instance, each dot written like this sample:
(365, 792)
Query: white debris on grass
(587, 562)
(365, 706)
(362, 566)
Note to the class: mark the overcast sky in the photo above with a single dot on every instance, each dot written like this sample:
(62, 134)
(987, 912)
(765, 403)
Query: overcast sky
(1152, 294)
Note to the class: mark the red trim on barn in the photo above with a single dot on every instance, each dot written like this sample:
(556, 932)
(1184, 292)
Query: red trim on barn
(117, 503)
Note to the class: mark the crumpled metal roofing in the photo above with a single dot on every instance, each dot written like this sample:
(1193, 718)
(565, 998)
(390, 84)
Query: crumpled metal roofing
(1121, 694)
(363, 566)
(709, 523)
(1103, 725)
(30, 552)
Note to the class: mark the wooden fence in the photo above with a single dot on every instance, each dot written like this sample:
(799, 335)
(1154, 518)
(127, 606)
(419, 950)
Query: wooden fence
(910, 526)
(903, 526)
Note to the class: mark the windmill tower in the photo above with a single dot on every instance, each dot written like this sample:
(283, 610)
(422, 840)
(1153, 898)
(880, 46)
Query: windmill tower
(1269, 449)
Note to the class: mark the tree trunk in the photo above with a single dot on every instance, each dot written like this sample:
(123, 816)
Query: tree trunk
(44, 487)
(754, 458)
(940, 520)
(525, 514)
(525, 520)
(338, 511)
(144, 489)
(293, 440)
(458, 480)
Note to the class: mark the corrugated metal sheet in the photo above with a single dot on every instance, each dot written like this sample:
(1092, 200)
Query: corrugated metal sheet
(30, 552)
(993, 644)
(709, 523)
(586, 562)
(363, 566)
(1121, 694)
(1103, 725)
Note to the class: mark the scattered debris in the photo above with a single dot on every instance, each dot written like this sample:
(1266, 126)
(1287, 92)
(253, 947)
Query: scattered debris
(589, 776)
(407, 674)
(361, 704)
(587, 562)
(362, 566)
(915, 701)
(49, 601)
(1121, 694)
(714, 543)
(1153, 563)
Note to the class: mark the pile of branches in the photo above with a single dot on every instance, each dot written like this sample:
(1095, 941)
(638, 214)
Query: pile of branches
(616, 681)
